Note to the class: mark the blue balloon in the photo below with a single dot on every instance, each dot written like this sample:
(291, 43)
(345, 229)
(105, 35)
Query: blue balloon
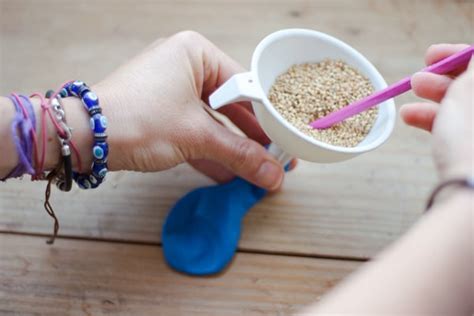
(202, 230)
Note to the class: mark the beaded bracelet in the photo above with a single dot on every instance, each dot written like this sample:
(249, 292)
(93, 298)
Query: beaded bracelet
(98, 123)
(462, 182)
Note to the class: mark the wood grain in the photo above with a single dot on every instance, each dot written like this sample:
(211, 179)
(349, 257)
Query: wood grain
(350, 209)
(96, 278)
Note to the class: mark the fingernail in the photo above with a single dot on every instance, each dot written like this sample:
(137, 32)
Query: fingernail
(269, 175)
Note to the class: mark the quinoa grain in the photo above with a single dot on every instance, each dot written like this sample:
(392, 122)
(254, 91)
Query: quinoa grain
(309, 91)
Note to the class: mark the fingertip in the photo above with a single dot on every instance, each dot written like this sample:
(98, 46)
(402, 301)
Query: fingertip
(420, 84)
(432, 52)
(417, 80)
(270, 175)
(430, 86)
(436, 52)
(420, 115)
(403, 110)
(406, 113)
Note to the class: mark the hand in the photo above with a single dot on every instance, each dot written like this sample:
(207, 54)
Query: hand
(451, 121)
(156, 106)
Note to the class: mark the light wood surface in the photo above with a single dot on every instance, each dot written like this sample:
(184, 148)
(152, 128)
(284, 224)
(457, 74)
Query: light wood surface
(90, 278)
(349, 210)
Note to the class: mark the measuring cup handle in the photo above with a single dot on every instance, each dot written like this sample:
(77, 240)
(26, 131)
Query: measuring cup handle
(279, 154)
(240, 87)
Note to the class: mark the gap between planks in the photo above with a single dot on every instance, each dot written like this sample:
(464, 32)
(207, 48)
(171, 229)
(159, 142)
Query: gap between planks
(159, 244)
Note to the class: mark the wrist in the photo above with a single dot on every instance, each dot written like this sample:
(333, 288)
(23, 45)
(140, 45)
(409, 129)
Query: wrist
(451, 187)
(461, 169)
(76, 119)
(120, 131)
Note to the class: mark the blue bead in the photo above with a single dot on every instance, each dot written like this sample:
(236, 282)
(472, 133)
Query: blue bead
(99, 170)
(84, 183)
(64, 93)
(103, 121)
(98, 123)
(100, 150)
(75, 87)
(92, 179)
(83, 90)
(90, 99)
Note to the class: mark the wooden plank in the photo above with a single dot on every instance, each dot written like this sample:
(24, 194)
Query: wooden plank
(77, 277)
(308, 216)
(349, 209)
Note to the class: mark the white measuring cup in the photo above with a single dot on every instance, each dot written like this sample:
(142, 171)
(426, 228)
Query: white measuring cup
(273, 56)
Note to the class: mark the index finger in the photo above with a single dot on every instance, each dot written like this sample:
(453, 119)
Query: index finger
(437, 52)
(219, 67)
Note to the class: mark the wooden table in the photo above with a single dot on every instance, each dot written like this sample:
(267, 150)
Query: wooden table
(295, 245)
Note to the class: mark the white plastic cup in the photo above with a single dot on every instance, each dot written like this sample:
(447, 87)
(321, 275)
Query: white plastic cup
(273, 56)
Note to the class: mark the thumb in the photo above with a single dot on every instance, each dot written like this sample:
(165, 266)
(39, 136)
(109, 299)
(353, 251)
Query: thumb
(244, 157)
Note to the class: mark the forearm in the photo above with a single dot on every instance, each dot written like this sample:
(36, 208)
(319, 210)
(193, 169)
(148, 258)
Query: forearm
(8, 156)
(429, 271)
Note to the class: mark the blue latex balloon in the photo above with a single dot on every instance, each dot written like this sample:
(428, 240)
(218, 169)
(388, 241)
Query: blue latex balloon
(202, 230)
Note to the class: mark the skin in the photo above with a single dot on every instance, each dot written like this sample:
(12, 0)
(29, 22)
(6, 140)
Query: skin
(430, 270)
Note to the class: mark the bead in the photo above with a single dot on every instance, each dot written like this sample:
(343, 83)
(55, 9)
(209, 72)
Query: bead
(84, 183)
(92, 179)
(103, 172)
(100, 170)
(102, 137)
(95, 110)
(98, 123)
(83, 90)
(100, 150)
(75, 87)
(101, 161)
(103, 121)
(49, 93)
(63, 93)
(90, 99)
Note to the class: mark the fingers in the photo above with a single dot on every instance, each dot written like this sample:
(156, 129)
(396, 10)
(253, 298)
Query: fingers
(242, 156)
(440, 51)
(246, 122)
(218, 68)
(430, 86)
(460, 93)
(218, 172)
(213, 170)
(421, 115)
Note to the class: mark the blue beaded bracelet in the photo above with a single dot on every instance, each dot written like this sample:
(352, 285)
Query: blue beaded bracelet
(98, 123)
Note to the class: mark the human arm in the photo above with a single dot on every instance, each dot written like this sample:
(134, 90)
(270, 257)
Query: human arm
(429, 271)
(158, 117)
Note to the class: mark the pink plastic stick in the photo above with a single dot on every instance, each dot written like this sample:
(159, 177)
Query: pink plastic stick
(442, 67)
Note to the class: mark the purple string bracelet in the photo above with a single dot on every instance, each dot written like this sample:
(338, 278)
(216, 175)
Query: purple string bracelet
(21, 128)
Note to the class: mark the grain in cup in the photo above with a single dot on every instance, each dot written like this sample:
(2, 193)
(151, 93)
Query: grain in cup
(308, 91)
